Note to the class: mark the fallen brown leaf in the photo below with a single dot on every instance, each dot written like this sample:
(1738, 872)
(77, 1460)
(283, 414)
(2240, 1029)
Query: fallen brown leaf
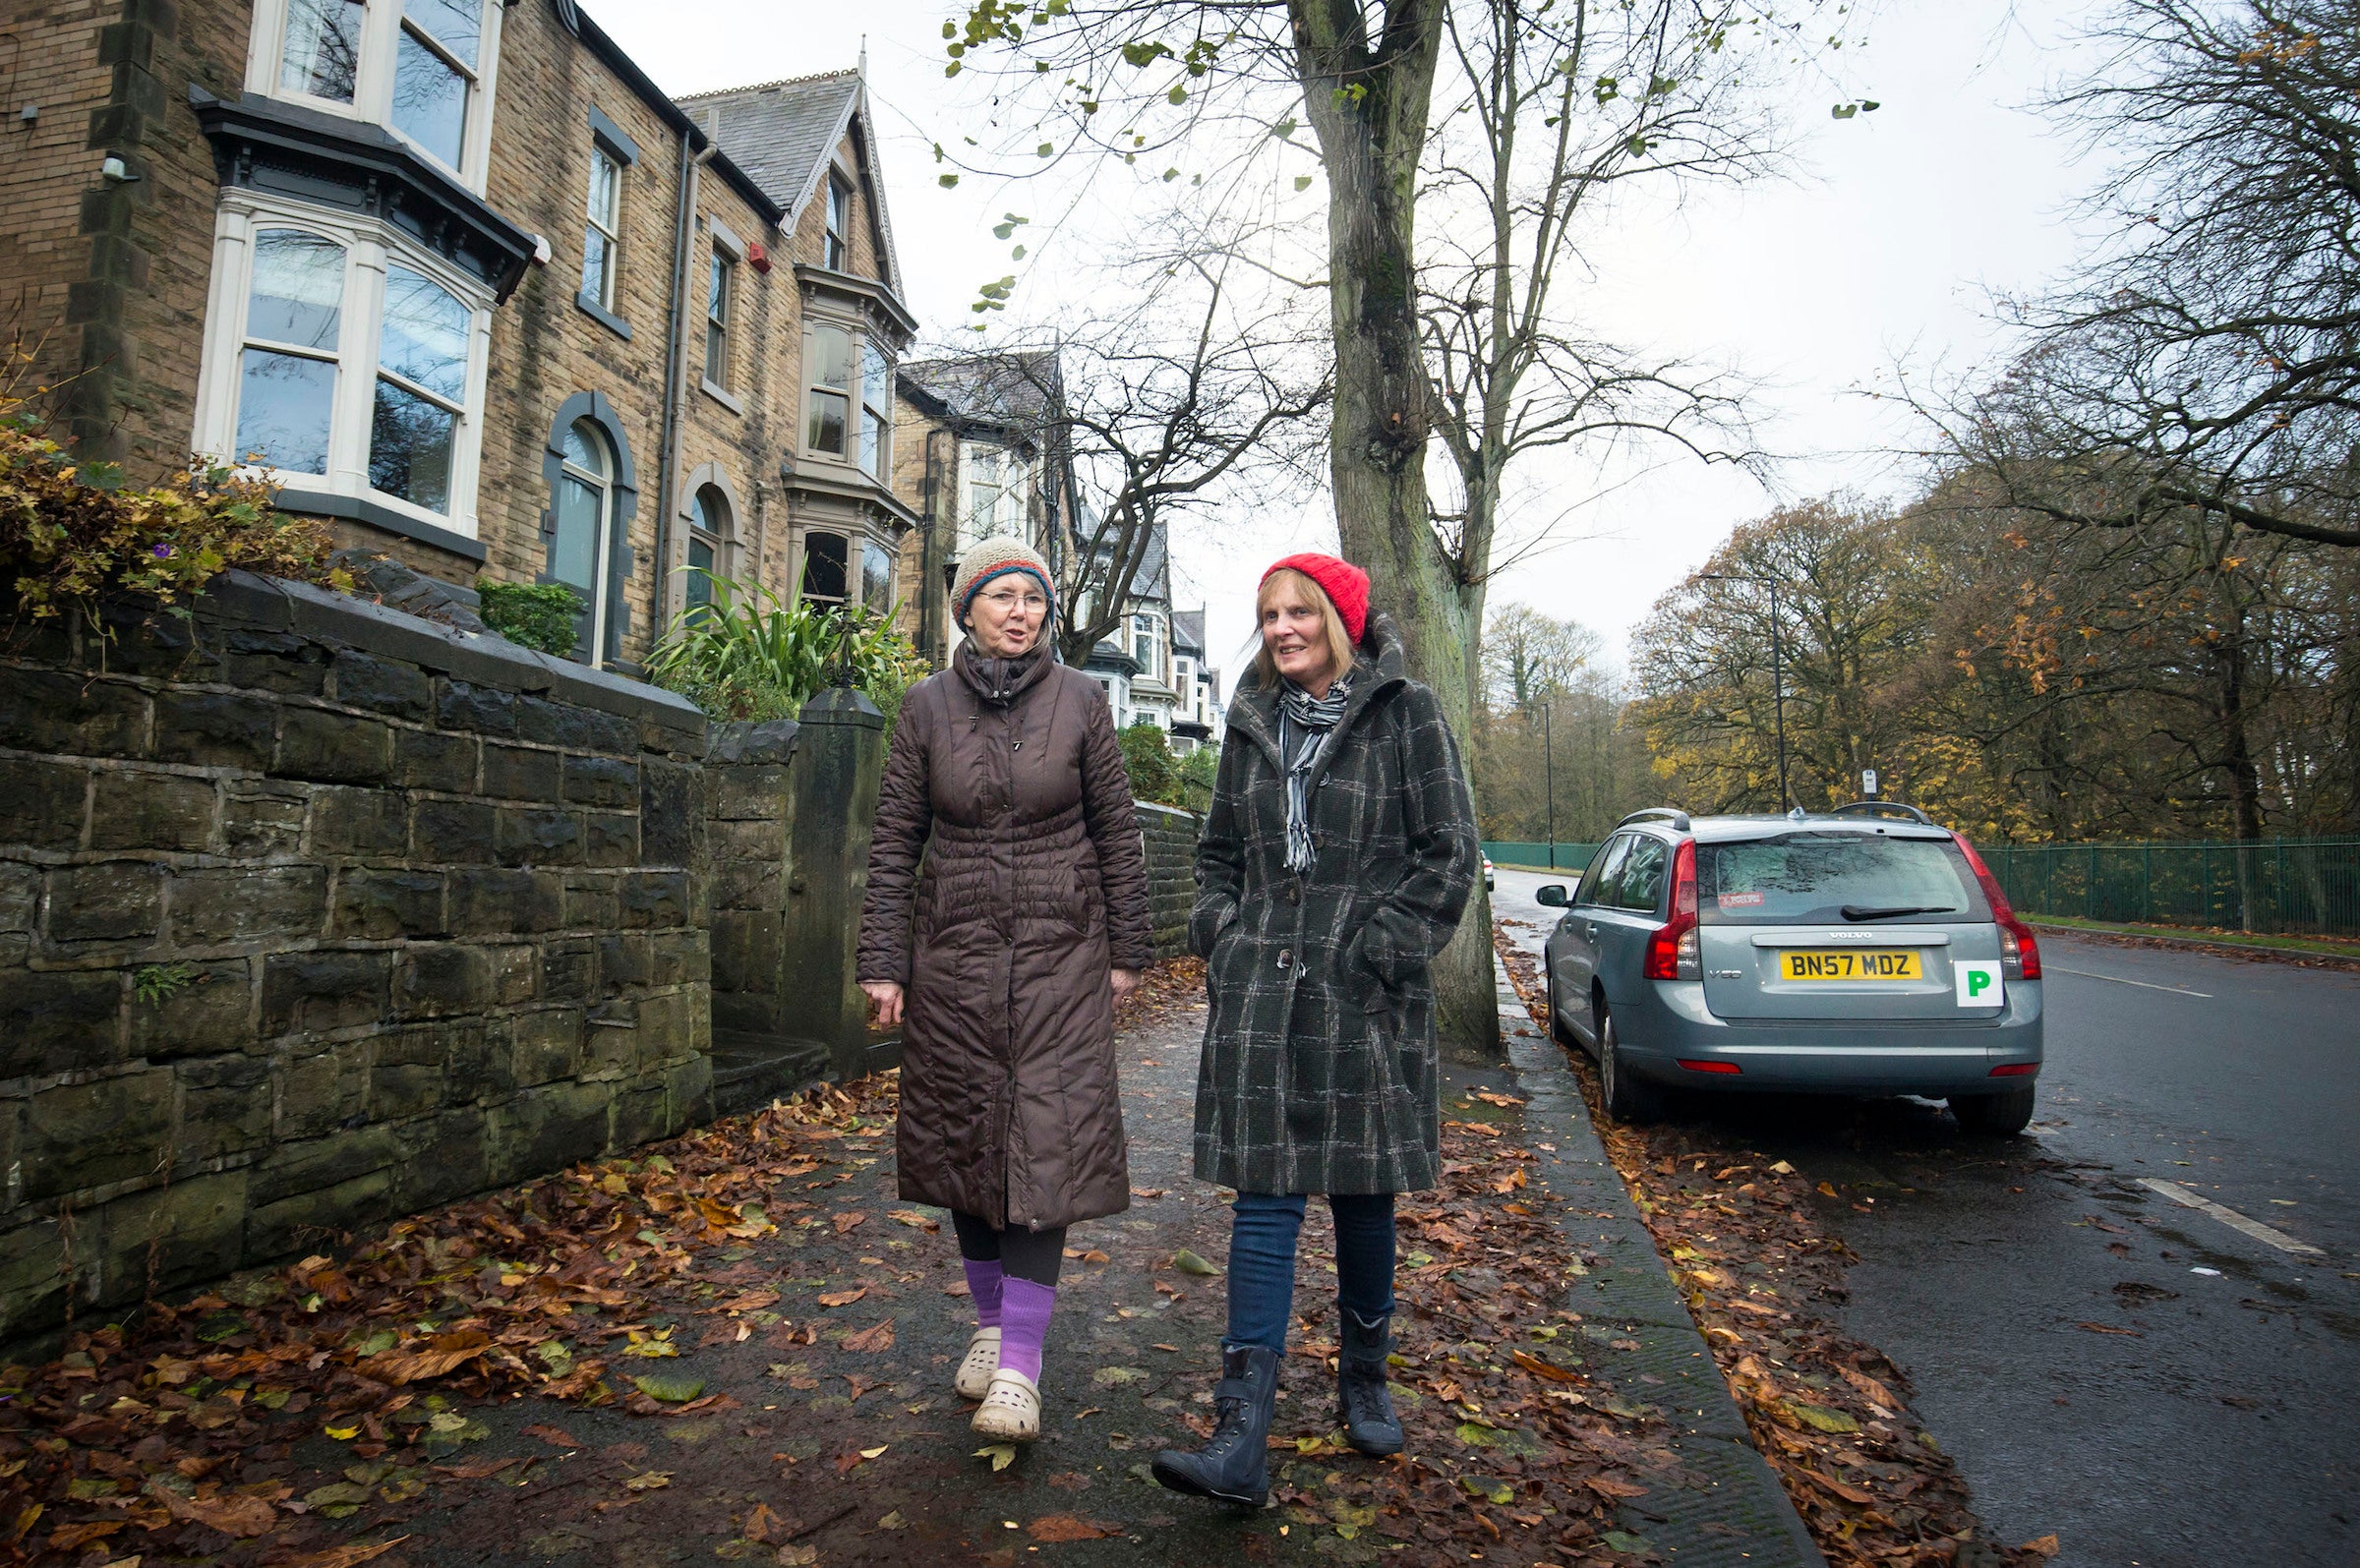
(843, 1297)
(243, 1517)
(349, 1555)
(867, 1340)
(555, 1436)
(1053, 1528)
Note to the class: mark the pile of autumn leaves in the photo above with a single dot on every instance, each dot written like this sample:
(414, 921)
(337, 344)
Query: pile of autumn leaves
(1510, 1446)
(173, 1430)
(1827, 1410)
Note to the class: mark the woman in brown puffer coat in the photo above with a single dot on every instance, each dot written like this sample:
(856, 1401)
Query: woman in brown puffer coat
(1030, 921)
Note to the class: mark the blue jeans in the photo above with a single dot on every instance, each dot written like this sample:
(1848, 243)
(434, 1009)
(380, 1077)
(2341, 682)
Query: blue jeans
(1262, 1261)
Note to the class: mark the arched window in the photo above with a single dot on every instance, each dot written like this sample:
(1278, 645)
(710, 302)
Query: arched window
(710, 529)
(582, 520)
(421, 391)
(826, 568)
(592, 498)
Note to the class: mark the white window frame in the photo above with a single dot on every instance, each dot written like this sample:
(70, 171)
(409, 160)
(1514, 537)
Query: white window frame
(368, 248)
(1149, 626)
(372, 81)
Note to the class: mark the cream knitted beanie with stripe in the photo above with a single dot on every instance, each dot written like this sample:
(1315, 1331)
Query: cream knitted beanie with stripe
(996, 557)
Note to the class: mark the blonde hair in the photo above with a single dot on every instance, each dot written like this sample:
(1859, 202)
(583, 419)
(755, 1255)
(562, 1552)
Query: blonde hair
(1340, 641)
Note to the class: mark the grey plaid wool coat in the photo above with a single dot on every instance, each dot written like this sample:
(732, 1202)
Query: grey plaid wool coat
(1320, 1071)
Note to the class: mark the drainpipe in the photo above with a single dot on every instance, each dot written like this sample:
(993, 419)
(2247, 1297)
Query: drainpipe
(675, 364)
(930, 599)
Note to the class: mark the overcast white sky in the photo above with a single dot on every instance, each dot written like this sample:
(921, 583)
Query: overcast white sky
(1884, 249)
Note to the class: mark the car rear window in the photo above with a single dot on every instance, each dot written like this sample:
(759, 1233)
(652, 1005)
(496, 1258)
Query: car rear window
(1812, 878)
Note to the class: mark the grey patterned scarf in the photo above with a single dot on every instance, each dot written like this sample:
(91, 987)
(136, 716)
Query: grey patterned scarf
(1305, 722)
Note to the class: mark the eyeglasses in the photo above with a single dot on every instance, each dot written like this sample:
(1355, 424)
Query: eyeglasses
(1007, 599)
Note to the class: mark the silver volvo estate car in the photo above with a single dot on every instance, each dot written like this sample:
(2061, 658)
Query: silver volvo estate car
(1864, 951)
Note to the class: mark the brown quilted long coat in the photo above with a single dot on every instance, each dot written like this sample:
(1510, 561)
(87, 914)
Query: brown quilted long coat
(1034, 885)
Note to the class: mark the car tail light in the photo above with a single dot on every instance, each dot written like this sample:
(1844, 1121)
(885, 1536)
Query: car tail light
(1673, 953)
(1711, 1067)
(2006, 1069)
(2019, 952)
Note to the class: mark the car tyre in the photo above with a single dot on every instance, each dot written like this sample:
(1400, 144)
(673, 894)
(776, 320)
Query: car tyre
(2002, 1115)
(1628, 1099)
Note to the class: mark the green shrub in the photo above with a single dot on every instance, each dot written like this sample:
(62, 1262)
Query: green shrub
(1195, 776)
(752, 654)
(1148, 759)
(535, 615)
(70, 532)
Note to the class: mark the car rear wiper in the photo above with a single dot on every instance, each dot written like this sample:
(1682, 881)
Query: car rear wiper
(1854, 911)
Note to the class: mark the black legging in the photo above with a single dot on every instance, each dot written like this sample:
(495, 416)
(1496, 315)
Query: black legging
(1033, 1255)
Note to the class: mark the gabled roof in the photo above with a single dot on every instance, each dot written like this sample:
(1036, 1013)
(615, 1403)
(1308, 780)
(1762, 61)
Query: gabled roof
(1008, 389)
(785, 133)
(1187, 631)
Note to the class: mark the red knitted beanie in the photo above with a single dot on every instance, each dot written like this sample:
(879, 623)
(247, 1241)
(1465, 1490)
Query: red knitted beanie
(1345, 585)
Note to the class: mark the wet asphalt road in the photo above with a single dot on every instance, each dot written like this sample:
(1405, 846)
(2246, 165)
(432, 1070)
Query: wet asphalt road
(2047, 1306)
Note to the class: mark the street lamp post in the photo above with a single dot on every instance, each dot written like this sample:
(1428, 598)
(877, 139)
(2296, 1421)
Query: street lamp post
(1778, 677)
(1548, 785)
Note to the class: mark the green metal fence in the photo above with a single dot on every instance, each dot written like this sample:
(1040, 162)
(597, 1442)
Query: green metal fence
(1536, 855)
(2293, 884)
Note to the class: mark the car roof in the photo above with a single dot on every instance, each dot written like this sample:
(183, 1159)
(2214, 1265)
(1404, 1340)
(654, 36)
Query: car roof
(1731, 830)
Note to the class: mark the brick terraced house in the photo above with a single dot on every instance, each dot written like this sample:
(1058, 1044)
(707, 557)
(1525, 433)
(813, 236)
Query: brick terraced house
(467, 283)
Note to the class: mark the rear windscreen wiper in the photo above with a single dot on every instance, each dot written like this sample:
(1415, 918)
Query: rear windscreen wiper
(1854, 911)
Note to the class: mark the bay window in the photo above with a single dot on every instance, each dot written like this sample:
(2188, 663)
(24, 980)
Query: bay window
(293, 339)
(877, 410)
(345, 362)
(826, 563)
(847, 398)
(828, 401)
(876, 575)
(421, 68)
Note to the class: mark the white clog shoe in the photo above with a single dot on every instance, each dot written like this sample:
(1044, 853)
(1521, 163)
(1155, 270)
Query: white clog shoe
(1011, 1407)
(983, 1360)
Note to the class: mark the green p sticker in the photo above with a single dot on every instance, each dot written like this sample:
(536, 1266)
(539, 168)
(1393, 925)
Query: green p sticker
(1979, 983)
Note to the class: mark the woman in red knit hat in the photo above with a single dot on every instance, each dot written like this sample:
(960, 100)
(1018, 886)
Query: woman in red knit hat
(1336, 859)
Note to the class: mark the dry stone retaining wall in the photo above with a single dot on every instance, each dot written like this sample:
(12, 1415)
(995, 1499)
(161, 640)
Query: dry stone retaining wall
(312, 913)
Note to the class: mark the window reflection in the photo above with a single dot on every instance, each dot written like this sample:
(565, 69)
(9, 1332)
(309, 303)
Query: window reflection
(321, 54)
(283, 408)
(430, 99)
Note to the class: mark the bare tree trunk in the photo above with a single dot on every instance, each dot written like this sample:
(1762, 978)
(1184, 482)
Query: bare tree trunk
(1367, 99)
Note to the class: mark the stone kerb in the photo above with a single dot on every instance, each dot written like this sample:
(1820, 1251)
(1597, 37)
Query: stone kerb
(312, 913)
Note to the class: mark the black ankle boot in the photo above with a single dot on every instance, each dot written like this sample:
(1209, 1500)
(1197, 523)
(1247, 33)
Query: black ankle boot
(1234, 1466)
(1361, 1400)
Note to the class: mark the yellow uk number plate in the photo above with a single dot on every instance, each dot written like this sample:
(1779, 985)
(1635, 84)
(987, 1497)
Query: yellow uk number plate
(1850, 964)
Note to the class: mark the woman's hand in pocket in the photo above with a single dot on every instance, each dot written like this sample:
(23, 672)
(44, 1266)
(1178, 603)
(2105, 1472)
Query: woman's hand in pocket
(885, 1001)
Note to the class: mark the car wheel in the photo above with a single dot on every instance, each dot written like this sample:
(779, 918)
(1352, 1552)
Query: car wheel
(1628, 1099)
(1993, 1115)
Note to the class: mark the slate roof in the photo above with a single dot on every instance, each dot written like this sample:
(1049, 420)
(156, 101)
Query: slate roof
(783, 134)
(1187, 631)
(997, 388)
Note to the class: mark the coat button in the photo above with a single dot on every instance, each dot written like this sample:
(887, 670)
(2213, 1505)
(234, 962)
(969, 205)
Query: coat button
(1018, 746)
(1294, 893)
(1286, 955)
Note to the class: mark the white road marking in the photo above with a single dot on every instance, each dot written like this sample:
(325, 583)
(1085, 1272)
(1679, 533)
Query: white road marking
(2230, 1217)
(2093, 974)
